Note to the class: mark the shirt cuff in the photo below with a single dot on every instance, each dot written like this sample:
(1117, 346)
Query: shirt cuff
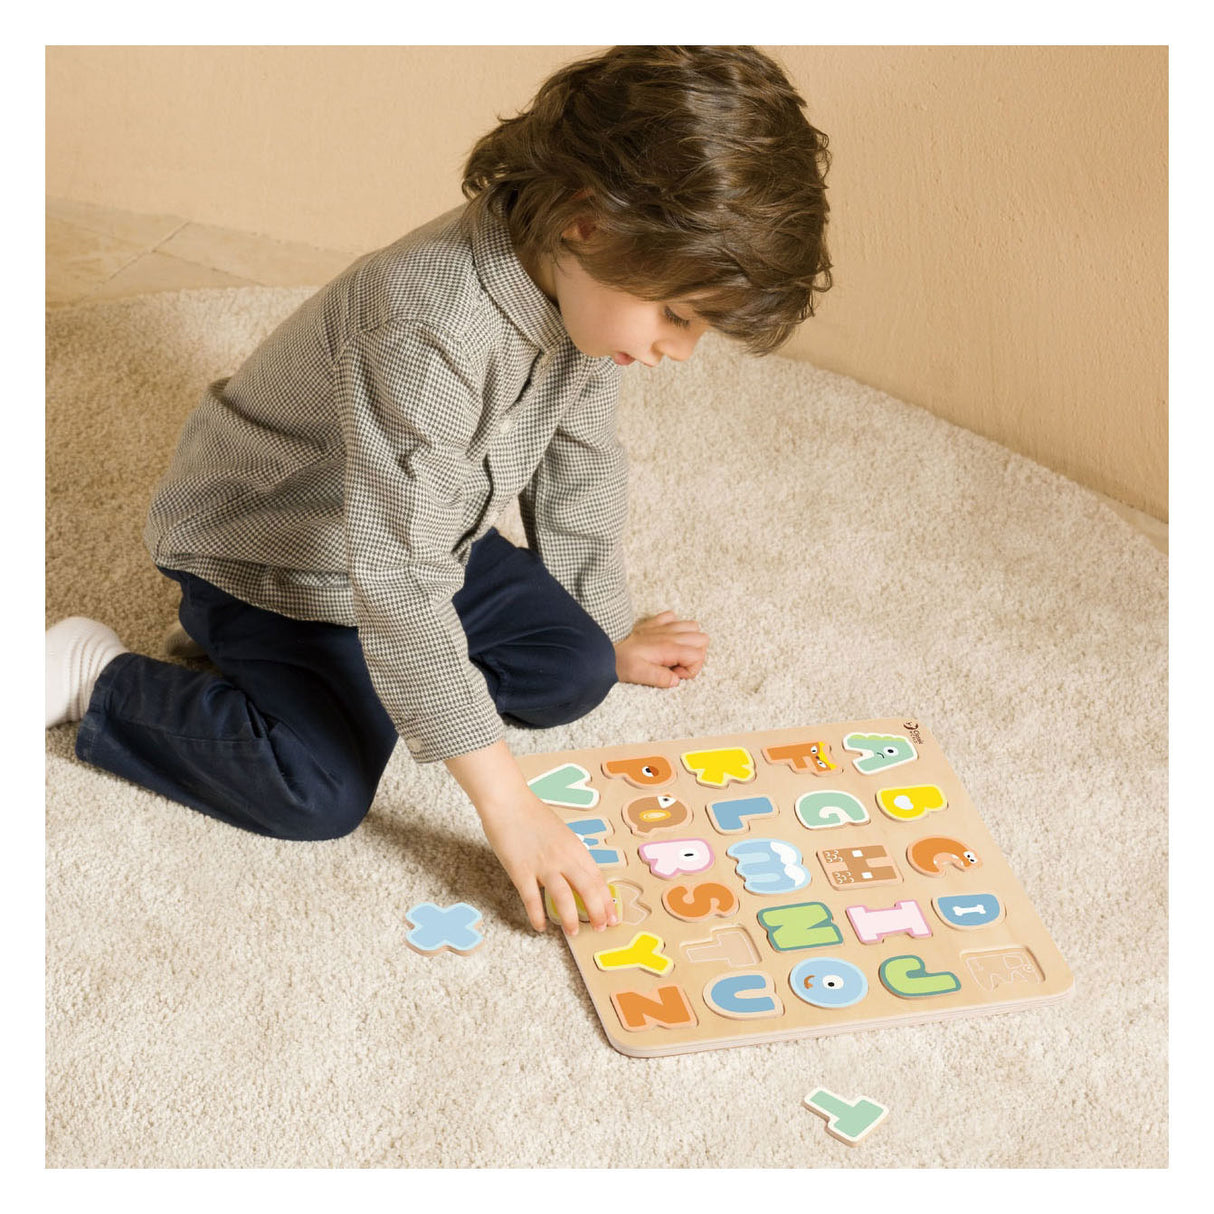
(618, 623)
(454, 732)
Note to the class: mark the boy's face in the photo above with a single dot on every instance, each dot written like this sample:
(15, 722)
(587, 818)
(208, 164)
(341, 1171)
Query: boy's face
(604, 322)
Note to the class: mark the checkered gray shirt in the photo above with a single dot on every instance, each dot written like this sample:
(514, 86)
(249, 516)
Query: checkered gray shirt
(344, 471)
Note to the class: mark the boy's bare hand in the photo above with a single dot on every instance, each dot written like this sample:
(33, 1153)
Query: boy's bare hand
(660, 651)
(538, 850)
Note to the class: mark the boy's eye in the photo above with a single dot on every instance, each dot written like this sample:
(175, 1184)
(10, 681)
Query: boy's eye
(677, 320)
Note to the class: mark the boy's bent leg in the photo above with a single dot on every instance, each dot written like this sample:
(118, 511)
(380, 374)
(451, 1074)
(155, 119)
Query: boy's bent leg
(545, 660)
(289, 741)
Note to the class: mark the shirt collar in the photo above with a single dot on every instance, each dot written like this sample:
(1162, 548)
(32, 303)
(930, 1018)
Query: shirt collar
(510, 286)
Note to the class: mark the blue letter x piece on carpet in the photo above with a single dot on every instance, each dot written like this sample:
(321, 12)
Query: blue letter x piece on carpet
(439, 927)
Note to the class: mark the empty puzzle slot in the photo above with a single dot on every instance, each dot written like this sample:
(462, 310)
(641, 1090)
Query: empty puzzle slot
(998, 969)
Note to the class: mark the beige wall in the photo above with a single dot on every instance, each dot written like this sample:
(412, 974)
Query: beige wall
(999, 225)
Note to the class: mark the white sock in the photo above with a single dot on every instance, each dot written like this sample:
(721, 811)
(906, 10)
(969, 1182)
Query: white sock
(77, 651)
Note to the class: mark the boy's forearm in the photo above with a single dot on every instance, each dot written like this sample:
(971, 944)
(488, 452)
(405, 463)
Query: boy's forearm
(490, 777)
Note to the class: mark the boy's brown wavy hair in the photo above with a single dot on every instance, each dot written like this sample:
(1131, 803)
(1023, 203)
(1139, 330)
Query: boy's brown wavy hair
(701, 174)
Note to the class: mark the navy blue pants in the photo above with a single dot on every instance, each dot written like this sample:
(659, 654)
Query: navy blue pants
(290, 739)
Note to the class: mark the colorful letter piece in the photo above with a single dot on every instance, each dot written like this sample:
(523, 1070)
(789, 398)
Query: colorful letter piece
(617, 896)
(872, 926)
(444, 927)
(672, 857)
(694, 902)
(554, 915)
(567, 786)
(828, 982)
(906, 804)
(933, 854)
(643, 951)
(908, 978)
(819, 810)
(592, 832)
(648, 771)
(846, 867)
(813, 757)
(731, 945)
(804, 925)
(879, 751)
(719, 767)
(967, 911)
(848, 1122)
(994, 967)
(729, 817)
(665, 1007)
(743, 996)
(769, 866)
(654, 813)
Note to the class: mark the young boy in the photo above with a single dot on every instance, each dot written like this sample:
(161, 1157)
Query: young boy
(329, 511)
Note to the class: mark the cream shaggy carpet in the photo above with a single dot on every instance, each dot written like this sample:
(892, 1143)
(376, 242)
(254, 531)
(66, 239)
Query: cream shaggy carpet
(220, 1000)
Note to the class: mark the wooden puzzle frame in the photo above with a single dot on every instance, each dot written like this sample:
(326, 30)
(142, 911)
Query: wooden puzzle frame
(710, 844)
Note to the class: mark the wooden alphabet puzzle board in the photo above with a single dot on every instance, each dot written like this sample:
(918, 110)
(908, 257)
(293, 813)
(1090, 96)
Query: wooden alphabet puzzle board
(792, 883)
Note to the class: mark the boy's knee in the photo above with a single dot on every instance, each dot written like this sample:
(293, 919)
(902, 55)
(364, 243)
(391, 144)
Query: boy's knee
(597, 673)
(318, 785)
(328, 809)
(321, 828)
(578, 679)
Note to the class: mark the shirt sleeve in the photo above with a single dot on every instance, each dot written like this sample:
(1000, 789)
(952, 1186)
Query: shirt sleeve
(576, 504)
(408, 410)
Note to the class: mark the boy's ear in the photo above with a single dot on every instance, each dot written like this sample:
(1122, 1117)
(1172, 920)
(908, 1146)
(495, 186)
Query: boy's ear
(580, 229)
(584, 226)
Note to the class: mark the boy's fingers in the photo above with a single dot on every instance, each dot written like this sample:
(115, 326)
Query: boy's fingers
(687, 631)
(533, 904)
(690, 631)
(687, 644)
(562, 899)
(671, 655)
(651, 674)
(597, 899)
